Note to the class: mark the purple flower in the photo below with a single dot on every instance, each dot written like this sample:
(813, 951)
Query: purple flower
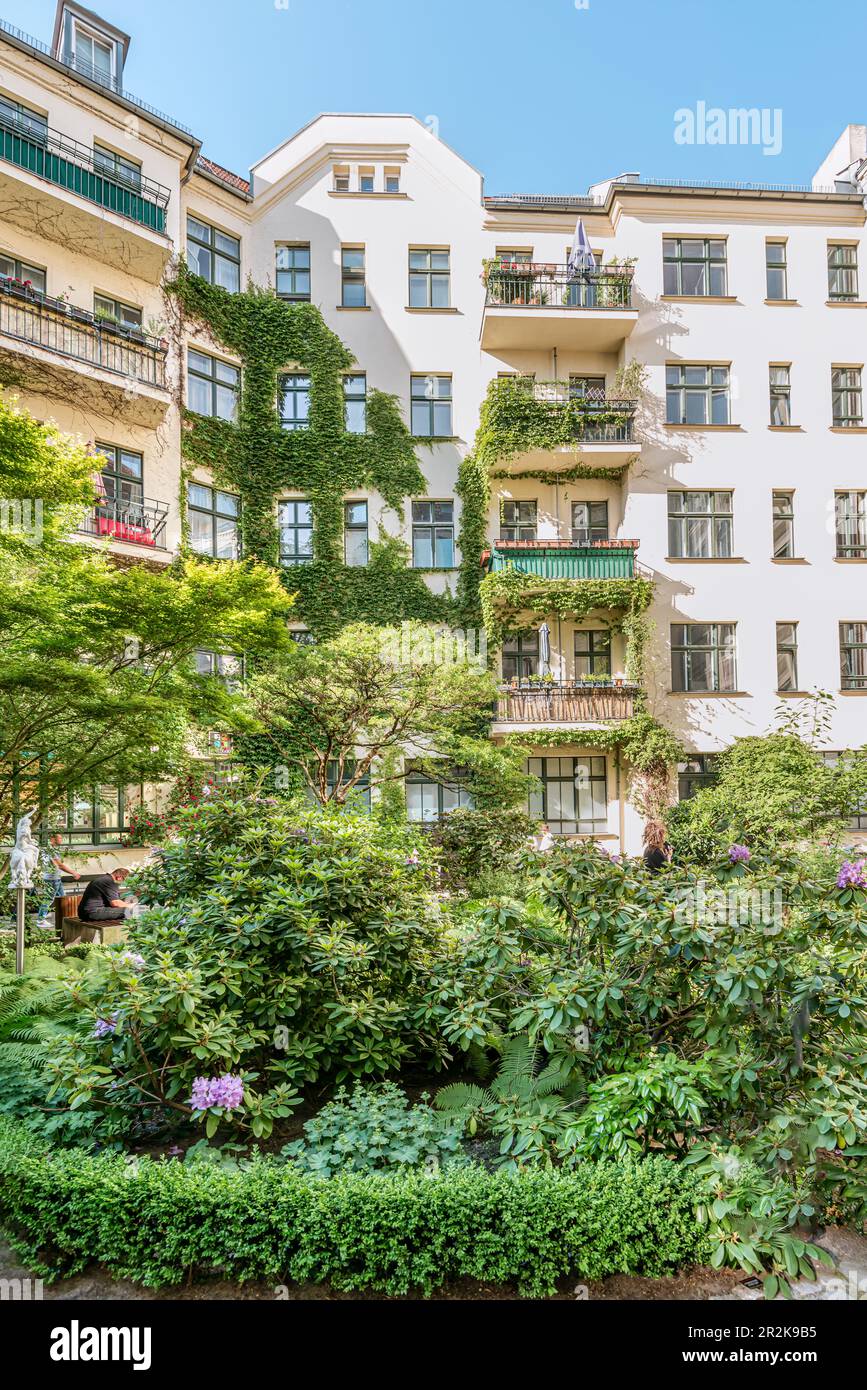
(739, 854)
(133, 959)
(412, 859)
(852, 874)
(225, 1092)
(105, 1027)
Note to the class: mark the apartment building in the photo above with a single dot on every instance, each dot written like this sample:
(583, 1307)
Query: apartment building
(736, 482)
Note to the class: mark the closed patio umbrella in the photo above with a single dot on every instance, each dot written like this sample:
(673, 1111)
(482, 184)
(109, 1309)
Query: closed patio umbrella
(581, 256)
(544, 649)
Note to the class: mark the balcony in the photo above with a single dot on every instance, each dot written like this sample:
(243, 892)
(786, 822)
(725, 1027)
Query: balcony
(540, 307)
(552, 425)
(135, 523)
(64, 351)
(568, 703)
(565, 559)
(58, 188)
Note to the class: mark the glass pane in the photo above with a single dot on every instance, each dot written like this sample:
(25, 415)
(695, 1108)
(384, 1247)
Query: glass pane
(201, 533)
(228, 274)
(199, 496)
(227, 538)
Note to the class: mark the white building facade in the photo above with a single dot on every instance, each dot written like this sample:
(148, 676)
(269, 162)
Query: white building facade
(740, 471)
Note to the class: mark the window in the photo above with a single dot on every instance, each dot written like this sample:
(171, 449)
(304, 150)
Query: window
(212, 385)
(696, 771)
(697, 395)
(341, 178)
(851, 515)
(693, 266)
(295, 401)
(589, 522)
(781, 396)
(94, 56)
(783, 509)
(427, 800)
(365, 181)
(853, 656)
(573, 799)
(360, 794)
(521, 656)
(507, 255)
(429, 280)
(213, 255)
(295, 519)
(842, 273)
(22, 118)
(776, 270)
(590, 389)
(125, 314)
(433, 535)
(93, 816)
(593, 652)
(392, 180)
(293, 272)
(431, 406)
(224, 665)
(353, 292)
(700, 525)
(517, 521)
(122, 475)
(703, 656)
(787, 656)
(11, 269)
(117, 167)
(355, 402)
(846, 397)
(213, 518)
(355, 533)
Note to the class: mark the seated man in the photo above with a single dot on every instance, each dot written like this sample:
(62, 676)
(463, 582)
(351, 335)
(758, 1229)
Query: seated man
(101, 902)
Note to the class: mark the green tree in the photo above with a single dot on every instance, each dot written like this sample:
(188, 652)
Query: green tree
(97, 678)
(352, 708)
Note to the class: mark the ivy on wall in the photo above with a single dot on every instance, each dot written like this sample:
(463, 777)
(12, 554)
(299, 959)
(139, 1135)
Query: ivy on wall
(325, 464)
(513, 421)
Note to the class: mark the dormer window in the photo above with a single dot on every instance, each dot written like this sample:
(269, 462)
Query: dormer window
(85, 42)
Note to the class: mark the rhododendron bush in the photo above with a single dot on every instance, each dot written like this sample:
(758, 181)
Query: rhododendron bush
(282, 945)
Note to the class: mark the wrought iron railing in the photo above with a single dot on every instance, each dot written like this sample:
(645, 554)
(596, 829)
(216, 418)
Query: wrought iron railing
(138, 523)
(518, 284)
(58, 327)
(565, 702)
(68, 164)
(565, 559)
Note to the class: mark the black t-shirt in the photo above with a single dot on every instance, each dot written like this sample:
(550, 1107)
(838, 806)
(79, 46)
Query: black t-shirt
(100, 892)
(654, 859)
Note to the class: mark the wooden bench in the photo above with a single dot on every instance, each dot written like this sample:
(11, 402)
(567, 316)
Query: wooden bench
(73, 931)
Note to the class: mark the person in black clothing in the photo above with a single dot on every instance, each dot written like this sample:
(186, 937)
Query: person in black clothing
(101, 902)
(657, 852)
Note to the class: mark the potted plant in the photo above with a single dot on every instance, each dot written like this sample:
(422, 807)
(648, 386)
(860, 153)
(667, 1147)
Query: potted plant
(619, 678)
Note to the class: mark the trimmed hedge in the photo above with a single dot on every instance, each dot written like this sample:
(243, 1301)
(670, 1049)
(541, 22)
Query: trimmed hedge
(159, 1222)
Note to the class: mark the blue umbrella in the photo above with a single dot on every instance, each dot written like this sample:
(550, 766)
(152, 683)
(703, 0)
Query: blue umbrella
(581, 256)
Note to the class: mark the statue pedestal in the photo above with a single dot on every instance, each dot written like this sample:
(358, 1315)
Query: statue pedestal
(19, 929)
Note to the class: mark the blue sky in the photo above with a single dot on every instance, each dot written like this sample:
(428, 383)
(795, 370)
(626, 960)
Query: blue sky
(540, 95)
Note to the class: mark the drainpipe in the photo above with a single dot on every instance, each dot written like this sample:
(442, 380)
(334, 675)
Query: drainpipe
(621, 808)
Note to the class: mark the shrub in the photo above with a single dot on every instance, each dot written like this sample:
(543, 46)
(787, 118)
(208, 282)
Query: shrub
(295, 945)
(374, 1128)
(161, 1222)
(473, 842)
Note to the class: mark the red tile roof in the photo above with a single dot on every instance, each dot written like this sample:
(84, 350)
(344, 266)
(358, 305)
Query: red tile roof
(224, 175)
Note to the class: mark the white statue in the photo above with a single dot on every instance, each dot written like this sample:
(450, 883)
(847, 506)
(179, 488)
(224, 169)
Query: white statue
(25, 855)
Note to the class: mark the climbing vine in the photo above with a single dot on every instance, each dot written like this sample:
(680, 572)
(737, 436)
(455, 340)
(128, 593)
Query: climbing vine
(255, 457)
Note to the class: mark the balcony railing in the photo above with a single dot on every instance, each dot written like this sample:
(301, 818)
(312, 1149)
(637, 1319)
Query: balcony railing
(52, 324)
(518, 284)
(137, 523)
(559, 409)
(565, 702)
(565, 559)
(71, 165)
